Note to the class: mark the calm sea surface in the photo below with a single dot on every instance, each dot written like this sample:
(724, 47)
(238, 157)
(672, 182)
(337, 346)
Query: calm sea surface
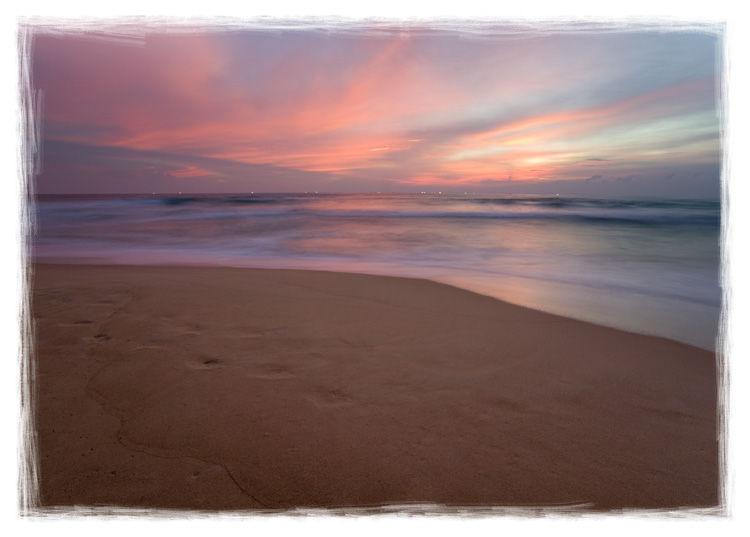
(645, 265)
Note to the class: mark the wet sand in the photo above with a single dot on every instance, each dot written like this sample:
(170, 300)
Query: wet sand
(221, 388)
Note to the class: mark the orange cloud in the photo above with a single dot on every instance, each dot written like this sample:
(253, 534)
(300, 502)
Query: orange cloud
(560, 139)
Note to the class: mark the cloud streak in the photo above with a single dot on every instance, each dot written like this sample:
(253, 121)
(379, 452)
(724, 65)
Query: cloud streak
(416, 108)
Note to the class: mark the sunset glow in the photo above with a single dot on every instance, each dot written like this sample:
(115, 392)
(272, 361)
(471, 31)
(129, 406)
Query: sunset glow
(303, 110)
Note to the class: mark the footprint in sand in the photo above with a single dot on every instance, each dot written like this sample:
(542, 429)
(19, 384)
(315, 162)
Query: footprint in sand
(192, 330)
(206, 363)
(257, 371)
(331, 397)
(115, 299)
(270, 371)
(178, 326)
(75, 324)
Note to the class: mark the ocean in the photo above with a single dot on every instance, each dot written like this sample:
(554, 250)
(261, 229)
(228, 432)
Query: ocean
(644, 265)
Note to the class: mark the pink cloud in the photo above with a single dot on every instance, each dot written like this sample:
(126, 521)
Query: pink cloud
(377, 103)
(189, 171)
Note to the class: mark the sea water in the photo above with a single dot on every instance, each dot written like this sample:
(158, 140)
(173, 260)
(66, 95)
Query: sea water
(644, 265)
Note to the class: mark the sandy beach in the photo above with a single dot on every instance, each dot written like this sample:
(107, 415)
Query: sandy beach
(221, 388)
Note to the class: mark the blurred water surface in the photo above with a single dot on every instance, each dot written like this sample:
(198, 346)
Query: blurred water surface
(645, 265)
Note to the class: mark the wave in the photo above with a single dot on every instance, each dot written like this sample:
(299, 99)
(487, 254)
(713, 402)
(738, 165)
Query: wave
(222, 200)
(553, 204)
(603, 203)
(592, 210)
(631, 217)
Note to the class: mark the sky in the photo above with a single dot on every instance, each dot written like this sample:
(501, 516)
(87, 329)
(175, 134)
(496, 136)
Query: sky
(399, 109)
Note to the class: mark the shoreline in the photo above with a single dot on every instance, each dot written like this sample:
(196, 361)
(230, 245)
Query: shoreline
(225, 388)
(531, 296)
